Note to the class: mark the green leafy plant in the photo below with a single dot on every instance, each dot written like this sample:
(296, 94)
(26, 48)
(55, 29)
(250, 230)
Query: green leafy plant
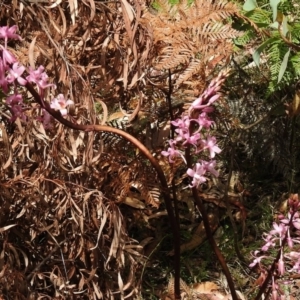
(273, 29)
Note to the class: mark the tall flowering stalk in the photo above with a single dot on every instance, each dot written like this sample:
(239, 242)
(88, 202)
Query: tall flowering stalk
(194, 137)
(284, 239)
(193, 129)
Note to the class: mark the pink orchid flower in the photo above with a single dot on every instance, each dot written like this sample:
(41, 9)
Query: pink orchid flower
(15, 103)
(35, 75)
(279, 229)
(45, 119)
(257, 259)
(210, 167)
(17, 112)
(198, 174)
(183, 123)
(203, 121)
(202, 102)
(60, 103)
(39, 77)
(15, 74)
(14, 99)
(191, 139)
(9, 33)
(8, 58)
(211, 145)
(295, 220)
(3, 81)
(172, 153)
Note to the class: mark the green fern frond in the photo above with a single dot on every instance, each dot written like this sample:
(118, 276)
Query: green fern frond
(276, 52)
(295, 32)
(260, 17)
(245, 38)
(295, 62)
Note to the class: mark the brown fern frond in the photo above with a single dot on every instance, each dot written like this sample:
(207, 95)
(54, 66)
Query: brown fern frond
(213, 10)
(193, 68)
(171, 58)
(187, 35)
(213, 32)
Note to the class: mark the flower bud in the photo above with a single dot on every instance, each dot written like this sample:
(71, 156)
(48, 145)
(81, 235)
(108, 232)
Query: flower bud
(281, 269)
(290, 242)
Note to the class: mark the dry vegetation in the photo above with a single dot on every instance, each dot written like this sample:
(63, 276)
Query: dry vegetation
(68, 198)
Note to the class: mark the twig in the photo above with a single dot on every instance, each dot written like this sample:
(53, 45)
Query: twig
(44, 260)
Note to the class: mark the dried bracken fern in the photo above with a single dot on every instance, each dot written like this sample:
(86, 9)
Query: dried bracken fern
(187, 36)
(63, 227)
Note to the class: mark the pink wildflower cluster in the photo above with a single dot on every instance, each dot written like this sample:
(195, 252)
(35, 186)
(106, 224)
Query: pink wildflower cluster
(11, 77)
(286, 232)
(193, 129)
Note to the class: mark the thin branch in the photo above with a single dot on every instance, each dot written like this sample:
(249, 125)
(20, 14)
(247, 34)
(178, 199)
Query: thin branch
(57, 246)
